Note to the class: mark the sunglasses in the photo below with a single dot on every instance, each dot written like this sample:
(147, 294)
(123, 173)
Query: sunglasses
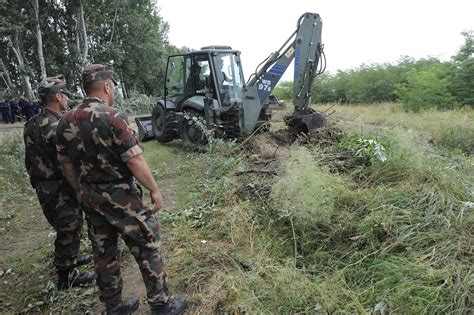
(107, 67)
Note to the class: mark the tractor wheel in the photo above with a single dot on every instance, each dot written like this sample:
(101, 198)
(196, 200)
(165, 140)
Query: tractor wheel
(163, 124)
(192, 129)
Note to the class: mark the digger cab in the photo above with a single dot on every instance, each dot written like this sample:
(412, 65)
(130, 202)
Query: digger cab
(213, 72)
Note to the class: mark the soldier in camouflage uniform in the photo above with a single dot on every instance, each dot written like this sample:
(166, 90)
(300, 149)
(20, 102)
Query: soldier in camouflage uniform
(101, 158)
(56, 196)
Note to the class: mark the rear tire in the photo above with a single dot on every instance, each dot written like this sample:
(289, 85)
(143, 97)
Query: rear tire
(163, 124)
(192, 129)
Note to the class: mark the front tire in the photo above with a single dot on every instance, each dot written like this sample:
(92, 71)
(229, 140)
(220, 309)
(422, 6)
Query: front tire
(192, 129)
(163, 124)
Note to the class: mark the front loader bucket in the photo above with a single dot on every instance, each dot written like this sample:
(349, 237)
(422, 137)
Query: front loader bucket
(305, 121)
(145, 131)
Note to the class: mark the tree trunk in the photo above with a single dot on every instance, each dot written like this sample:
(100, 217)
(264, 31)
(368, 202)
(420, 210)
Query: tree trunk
(83, 32)
(124, 90)
(6, 75)
(113, 27)
(39, 38)
(25, 78)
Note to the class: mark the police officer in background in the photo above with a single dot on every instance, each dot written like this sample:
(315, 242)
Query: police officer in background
(14, 109)
(26, 107)
(56, 196)
(101, 158)
(35, 107)
(23, 104)
(5, 110)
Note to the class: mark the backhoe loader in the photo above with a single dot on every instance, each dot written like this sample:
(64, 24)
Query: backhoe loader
(205, 92)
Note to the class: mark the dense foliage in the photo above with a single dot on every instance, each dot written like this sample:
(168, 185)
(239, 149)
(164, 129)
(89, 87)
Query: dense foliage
(417, 84)
(130, 34)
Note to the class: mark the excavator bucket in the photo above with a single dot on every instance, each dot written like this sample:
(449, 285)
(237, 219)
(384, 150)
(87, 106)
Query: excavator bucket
(305, 121)
(145, 131)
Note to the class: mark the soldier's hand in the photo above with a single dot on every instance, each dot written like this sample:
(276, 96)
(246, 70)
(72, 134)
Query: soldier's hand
(157, 200)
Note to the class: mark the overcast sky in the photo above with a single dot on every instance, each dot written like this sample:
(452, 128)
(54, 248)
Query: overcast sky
(354, 31)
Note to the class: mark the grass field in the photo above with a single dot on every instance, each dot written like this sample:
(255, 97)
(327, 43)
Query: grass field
(375, 216)
(452, 129)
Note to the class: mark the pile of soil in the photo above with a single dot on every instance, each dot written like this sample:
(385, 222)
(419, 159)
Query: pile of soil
(274, 144)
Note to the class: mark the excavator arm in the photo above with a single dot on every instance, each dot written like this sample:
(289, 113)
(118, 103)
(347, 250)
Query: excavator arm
(304, 46)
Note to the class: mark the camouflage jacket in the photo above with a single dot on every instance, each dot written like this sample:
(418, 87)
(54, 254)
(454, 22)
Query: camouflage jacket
(97, 139)
(40, 147)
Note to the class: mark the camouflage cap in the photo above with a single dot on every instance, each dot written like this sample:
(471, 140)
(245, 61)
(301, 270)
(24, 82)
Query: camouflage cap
(51, 85)
(96, 72)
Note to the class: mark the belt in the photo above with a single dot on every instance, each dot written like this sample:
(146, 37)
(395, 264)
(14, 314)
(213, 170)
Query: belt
(113, 181)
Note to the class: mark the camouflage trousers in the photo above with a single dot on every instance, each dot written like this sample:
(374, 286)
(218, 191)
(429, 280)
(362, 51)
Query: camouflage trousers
(61, 209)
(114, 209)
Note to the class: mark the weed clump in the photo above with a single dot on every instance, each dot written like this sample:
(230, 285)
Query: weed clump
(15, 187)
(304, 191)
(459, 137)
(391, 231)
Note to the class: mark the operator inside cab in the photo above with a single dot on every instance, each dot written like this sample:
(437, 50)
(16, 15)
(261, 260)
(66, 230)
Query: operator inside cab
(198, 80)
(215, 72)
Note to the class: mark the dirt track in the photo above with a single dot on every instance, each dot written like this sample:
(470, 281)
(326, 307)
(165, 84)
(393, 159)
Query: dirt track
(10, 130)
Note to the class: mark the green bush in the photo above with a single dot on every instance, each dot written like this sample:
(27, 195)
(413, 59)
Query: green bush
(424, 89)
(284, 90)
(136, 104)
(366, 151)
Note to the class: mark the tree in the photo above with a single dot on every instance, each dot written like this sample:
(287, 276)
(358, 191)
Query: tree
(61, 36)
(284, 90)
(461, 78)
(14, 27)
(324, 89)
(39, 38)
(426, 88)
(6, 76)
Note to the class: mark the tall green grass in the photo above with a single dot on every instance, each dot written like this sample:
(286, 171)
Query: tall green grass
(15, 188)
(453, 129)
(314, 238)
(395, 232)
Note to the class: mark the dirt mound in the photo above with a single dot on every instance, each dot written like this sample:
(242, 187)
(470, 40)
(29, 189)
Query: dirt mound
(323, 137)
(268, 145)
(272, 145)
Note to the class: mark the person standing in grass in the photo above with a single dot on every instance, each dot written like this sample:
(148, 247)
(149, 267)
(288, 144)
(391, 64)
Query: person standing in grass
(102, 160)
(5, 110)
(56, 196)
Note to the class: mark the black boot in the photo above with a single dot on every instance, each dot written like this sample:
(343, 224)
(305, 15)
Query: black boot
(173, 307)
(125, 307)
(64, 281)
(83, 260)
